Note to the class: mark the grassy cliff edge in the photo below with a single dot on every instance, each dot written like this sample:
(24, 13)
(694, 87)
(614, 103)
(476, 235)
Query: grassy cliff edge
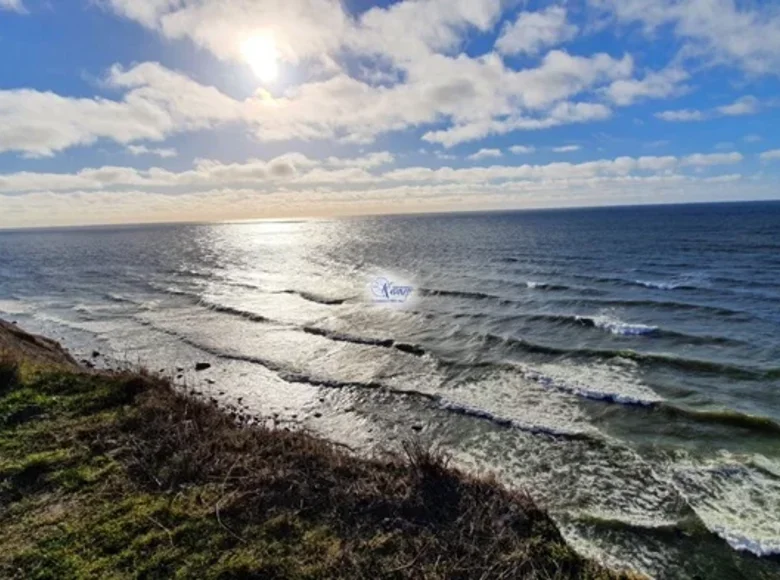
(115, 475)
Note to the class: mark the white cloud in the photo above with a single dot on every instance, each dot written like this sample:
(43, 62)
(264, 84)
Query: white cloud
(41, 123)
(303, 28)
(533, 31)
(681, 115)
(444, 156)
(315, 29)
(752, 138)
(13, 6)
(658, 84)
(771, 155)
(743, 34)
(561, 114)
(368, 161)
(293, 184)
(566, 148)
(144, 150)
(485, 153)
(730, 178)
(225, 203)
(522, 149)
(290, 167)
(426, 81)
(747, 105)
(706, 159)
(158, 103)
(296, 171)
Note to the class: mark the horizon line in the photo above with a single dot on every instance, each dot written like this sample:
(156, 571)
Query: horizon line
(423, 213)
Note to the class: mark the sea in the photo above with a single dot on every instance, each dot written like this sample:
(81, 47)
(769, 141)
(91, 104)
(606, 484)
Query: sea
(621, 365)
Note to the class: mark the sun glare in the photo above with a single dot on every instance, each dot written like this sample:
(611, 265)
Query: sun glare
(260, 54)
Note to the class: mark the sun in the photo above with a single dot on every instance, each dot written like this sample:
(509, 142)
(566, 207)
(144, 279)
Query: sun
(259, 52)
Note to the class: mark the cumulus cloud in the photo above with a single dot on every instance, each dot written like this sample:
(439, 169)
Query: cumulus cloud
(13, 6)
(746, 105)
(533, 31)
(657, 84)
(158, 102)
(290, 167)
(315, 29)
(225, 203)
(144, 150)
(297, 171)
(430, 81)
(741, 34)
(485, 153)
(295, 184)
(771, 155)
(705, 159)
(427, 80)
(522, 149)
(566, 149)
(683, 115)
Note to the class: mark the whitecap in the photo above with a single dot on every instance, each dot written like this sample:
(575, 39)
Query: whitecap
(617, 326)
(605, 382)
(737, 502)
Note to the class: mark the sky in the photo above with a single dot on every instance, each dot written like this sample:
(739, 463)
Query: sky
(127, 111)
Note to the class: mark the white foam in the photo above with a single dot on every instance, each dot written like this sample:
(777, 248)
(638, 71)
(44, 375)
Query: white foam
(504, 397)
(737, 502)
(15, 307)
(613, 381)
(658, 285)
(617, 326)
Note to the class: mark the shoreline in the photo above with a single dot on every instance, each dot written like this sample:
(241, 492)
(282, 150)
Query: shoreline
(119, 473)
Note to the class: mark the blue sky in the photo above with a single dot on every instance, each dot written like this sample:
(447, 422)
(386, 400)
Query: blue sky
(118, 111)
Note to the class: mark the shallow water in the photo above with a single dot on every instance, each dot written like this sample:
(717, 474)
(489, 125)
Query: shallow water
(622, 364)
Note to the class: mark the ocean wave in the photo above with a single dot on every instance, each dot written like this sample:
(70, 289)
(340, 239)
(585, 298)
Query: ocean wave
(192, 273)
(408, 348)
(695, 365)
(308, 296)
(441, 403)
(663, 285)
(479, 413)
(247, 315)
(616, 326)
(733, 500)
(687, 364)
(651, 400)
(585, 391)
(459, 294)
(663, 304)
(480, 296)
(16, 306)
(175, 291)
(295, 376)
(120, 299)
(381, 342)
(314, 297)
(724, 417)
(546, 286)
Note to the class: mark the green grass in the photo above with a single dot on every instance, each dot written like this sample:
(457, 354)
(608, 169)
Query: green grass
(119, 476)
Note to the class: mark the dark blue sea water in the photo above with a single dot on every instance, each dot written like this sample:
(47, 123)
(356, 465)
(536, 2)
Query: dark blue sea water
(622, 364)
